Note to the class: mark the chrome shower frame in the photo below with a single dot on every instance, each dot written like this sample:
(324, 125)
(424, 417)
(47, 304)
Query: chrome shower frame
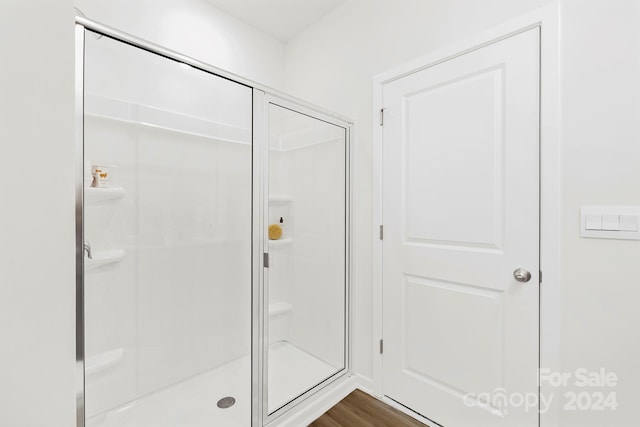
(262, 96)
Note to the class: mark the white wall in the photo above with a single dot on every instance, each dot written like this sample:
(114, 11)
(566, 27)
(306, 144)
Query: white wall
(37, 248)
(332, 64)
(197, 29)
(601, 96)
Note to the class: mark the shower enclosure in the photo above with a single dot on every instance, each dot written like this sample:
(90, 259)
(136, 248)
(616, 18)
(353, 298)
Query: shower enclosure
(306, 279)
(212, 241)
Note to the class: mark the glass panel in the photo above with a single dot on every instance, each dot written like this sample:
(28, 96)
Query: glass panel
(307, 235)
(168, 220)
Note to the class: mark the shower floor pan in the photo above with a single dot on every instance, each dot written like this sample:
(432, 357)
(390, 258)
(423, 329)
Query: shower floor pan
(193, 402)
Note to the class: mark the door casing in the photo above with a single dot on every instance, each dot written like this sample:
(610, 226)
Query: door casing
(548, 20)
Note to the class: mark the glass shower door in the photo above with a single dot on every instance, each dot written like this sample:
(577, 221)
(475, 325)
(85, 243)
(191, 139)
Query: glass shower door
(167, 230)
(307, 244)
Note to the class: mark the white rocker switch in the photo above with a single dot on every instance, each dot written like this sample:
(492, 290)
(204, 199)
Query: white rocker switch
(611, 222)
(628, 223)
(593, 222)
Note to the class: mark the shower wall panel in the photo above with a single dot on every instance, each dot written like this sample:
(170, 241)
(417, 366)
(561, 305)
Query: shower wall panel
(281, 182)
(319, 267)
(171, 297)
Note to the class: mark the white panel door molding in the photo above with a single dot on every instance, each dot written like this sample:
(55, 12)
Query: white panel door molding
(460, 206)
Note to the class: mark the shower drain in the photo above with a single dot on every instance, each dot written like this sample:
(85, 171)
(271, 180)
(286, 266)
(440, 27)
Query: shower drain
(226, 402)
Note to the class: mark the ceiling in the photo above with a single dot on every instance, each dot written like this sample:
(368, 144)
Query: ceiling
(282, 19)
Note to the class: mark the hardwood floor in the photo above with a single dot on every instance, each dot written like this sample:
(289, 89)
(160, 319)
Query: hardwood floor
(359, 409)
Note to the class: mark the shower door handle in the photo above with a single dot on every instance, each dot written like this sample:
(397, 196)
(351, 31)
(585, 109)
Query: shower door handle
(87, 249)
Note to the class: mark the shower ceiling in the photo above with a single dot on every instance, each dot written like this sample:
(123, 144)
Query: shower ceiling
(282, 19)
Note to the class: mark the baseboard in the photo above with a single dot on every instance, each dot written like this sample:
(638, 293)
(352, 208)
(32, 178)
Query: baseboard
(408, 411)
(366, 384)
(311, 409)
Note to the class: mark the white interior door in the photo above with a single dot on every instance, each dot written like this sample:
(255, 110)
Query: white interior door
(461, 213)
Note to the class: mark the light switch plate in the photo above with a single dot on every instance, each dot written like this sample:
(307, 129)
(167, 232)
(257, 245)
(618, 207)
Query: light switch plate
(628, 223)
(610, 222)
(593, 222)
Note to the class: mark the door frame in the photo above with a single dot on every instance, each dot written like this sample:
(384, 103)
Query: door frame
(548, 20)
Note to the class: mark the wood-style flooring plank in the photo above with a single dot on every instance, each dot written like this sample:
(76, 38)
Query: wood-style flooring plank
(359, 409)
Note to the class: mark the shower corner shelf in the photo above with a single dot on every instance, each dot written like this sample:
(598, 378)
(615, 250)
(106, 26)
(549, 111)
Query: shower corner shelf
(94, 195)
(273, 244)
(103, 258)
(104, 361)
(280, 199)
(278, 308)
(152, 118)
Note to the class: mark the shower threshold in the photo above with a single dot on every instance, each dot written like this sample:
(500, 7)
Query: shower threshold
(193, 402)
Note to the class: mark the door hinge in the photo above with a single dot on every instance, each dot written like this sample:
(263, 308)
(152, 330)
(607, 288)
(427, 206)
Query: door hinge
(382, 117)
(265, 260)
(540, 276)
(381, 232)
(381, 346)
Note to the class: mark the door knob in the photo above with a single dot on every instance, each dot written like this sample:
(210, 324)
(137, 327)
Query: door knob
(522, 275)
